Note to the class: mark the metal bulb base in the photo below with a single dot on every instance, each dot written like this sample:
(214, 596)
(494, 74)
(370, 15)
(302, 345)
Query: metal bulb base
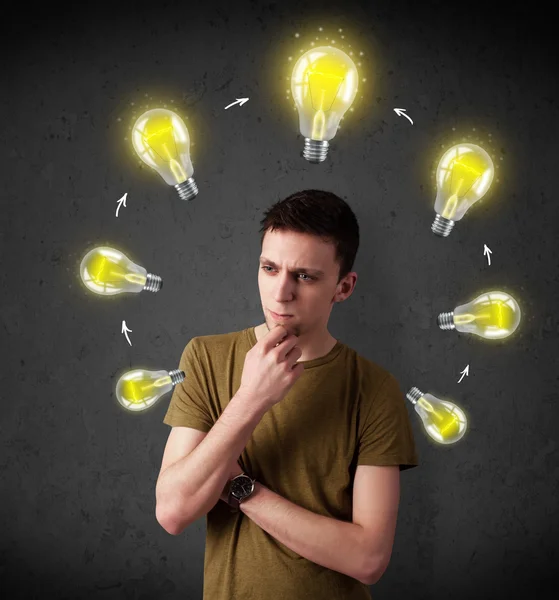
(187, 189)
(315, 151)
(446, 320)
(414, 395)
(442, 226)
(176, 376)
(153, 283)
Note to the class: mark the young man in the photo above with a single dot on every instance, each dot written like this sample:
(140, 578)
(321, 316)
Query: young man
(314, 434)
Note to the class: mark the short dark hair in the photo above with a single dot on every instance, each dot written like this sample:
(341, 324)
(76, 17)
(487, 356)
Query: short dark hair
(319, 213)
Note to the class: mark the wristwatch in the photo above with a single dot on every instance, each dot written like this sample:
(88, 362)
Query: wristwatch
(240, 488)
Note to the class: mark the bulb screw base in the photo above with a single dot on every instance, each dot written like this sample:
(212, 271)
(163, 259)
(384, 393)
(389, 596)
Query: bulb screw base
(446, 320)
(187, 189)
(442, 226)
(153, 283)
(315, 150)
(414, 395)
(176, 376)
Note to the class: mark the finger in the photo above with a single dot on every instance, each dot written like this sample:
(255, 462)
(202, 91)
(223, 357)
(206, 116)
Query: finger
(274, 337)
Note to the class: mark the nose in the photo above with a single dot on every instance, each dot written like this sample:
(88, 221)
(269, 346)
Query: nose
(284, 289)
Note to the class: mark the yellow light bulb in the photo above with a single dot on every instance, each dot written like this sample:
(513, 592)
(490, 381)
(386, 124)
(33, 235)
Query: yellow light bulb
(464, 175)
(323, 84)
(161, 140)
(139, 389)
(107, 271)
(493, 315)
(445, 422)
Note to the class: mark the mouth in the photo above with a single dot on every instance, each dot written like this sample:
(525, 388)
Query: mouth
(278, 317)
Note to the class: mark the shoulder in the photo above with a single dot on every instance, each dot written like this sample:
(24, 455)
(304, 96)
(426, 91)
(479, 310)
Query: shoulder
(205, 346)
(372, 375)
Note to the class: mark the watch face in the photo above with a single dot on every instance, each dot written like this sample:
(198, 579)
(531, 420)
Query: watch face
(242, 486)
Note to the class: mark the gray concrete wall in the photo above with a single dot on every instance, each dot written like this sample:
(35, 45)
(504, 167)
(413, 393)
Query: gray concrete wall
(78, 473)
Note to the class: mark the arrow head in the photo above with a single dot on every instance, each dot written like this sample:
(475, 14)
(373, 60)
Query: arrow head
(241, 101)
(486, 250)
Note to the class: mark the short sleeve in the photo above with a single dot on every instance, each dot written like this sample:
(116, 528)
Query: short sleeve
(189, 405)
(386, 434)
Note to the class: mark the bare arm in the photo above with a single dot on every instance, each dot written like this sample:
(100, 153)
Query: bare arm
(191, 487)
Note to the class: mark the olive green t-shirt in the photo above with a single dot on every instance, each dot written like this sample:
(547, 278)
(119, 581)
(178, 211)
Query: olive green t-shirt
(343, 411)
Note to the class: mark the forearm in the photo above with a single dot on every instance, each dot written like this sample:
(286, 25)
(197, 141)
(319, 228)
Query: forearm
(331, 543)
(189, 488)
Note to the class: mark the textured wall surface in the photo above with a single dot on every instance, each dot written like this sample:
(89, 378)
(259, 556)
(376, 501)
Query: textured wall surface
(78, 474)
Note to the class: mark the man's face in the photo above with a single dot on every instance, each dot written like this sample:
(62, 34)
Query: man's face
(287, 288)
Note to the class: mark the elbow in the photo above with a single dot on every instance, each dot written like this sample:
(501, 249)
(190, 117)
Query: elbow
(166, 512)
(375, 572)
(169, 524)
(175, 517)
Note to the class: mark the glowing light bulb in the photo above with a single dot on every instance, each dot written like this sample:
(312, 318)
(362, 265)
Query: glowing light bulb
(161, 140)
(464, 174)
(323, 84)
(443, 420)
(139, 389)
(107, 271)
(493, 315)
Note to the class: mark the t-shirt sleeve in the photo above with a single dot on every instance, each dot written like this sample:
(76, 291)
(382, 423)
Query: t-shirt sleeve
(386, 434)
(190, 401)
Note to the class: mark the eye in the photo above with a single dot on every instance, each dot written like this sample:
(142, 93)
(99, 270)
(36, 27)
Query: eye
(309, 277)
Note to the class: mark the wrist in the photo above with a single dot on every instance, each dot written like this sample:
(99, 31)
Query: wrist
(225, 491)
(249, 404)
(258, 487)
(238, 489)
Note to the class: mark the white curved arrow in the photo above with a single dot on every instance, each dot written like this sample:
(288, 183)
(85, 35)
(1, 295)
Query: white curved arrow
(402, 112)
(121, 202)
(466, 371)
(239, 101)
(125, 330)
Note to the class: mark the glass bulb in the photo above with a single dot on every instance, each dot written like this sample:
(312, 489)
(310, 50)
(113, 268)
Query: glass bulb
(464, 174)
(107, 271)
(324, 84)
(161, 140)
(443, 420)
(492, 315)
(139, 389)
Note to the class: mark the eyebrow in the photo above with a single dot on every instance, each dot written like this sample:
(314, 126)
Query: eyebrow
(297, 270)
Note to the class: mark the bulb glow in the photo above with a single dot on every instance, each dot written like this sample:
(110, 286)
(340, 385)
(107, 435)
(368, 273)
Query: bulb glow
(160, 138)
(445, 422)
(107, 271)
(139, 389)
(464, 175)
(324, 83)
(493, 315)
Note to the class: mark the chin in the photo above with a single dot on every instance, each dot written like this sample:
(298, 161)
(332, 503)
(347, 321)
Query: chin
(289, 326)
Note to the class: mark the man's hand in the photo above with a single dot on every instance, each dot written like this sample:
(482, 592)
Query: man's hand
(234, 472)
